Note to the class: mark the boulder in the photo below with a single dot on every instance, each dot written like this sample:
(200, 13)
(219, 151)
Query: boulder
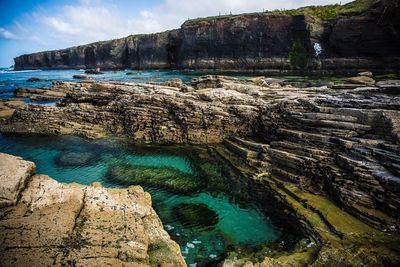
(363, 80)
(178, 83)
(208, 81)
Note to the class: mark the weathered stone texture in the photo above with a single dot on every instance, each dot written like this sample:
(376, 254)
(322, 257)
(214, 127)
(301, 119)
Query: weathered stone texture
(70, 224)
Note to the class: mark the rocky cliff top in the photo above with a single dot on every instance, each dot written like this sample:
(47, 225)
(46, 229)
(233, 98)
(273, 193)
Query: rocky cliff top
(43, 223)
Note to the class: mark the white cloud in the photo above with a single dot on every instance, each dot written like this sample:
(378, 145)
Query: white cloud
(61, 26)
(7, 34)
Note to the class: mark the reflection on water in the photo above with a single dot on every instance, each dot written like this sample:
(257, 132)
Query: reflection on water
(201, 207)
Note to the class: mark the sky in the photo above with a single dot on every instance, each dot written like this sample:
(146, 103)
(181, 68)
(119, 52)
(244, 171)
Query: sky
(28, 26)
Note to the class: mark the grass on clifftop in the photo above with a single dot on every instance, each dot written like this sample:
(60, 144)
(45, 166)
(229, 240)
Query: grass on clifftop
(356, 7)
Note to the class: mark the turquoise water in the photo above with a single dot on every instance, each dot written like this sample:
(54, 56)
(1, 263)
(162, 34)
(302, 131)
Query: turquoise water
(240, 222)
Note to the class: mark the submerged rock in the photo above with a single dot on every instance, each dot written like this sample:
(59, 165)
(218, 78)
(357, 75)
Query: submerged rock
(35, 79)
(81, 77)
(195, 215)
(165, 177)
(87, 225)
(73, 159)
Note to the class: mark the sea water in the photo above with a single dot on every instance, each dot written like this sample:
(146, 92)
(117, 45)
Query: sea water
(233, 224)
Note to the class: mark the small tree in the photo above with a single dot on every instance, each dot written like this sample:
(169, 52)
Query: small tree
(298, 56)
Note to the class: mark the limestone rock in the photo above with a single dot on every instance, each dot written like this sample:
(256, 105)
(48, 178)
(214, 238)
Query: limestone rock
(340, 143)
(366, 73)
(70, 224)
(389, 84)
(364, 80)
(178, 83)
(14, 174)
(7, 108)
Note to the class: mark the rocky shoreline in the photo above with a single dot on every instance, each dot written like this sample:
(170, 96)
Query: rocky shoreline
(316, 148)
(44, 222)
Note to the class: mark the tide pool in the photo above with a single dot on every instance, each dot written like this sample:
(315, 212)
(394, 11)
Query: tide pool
(207, 222)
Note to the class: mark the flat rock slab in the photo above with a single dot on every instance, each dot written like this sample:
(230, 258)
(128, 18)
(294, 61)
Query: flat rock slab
(14, 173)
(70, 224)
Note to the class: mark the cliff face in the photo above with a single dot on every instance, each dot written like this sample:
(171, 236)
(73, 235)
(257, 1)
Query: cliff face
(249, 41)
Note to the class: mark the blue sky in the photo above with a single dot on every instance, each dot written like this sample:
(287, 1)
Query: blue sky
(30, 26)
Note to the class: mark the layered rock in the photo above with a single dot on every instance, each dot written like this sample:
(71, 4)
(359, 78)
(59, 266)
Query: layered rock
(45, 223)
(342, 143)
(246, 42)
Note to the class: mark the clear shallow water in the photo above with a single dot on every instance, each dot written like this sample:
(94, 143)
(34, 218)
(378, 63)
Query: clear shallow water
(232, 224)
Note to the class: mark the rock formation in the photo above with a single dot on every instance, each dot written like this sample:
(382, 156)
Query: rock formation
(343, 143)
(43, 223)
(354, 41)
(316, 145)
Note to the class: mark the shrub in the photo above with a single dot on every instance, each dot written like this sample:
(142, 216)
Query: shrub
(298, 56)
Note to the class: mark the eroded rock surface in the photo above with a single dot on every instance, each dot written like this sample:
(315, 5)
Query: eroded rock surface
(51, 223)
(342, 143)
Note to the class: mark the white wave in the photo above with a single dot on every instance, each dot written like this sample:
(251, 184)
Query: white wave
(22, 71)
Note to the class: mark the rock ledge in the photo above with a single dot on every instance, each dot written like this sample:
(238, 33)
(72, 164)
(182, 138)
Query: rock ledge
(50, 223)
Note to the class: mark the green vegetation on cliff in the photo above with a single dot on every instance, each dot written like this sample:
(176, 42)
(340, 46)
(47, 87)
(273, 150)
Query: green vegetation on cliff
(298, 56)
(357, 7)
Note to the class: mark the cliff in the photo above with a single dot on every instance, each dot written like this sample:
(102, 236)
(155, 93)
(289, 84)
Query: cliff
(362, 38)
(45, 223)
